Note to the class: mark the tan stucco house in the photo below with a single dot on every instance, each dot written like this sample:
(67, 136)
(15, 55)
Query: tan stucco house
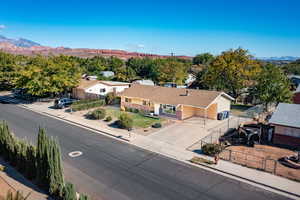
(176, 102)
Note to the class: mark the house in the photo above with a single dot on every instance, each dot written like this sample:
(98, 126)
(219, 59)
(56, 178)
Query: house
(91, 89)
(175, 102)
(296, 97)
(107, 74)
(144, 82)
(286, 121)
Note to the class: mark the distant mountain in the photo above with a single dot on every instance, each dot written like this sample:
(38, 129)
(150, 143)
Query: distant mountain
(21, 42)
(27, 47)
(282, 58)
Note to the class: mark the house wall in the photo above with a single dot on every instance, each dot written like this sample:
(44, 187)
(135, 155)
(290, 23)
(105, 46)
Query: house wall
(223, 104)
(96, 89)
(78, 93)
(287, 131)
(136, 103)
(185, 112)
(296, 98)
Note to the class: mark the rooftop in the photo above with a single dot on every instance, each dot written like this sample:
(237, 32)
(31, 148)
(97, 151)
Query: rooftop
(173, 96)
(85, 84)
(286, 115)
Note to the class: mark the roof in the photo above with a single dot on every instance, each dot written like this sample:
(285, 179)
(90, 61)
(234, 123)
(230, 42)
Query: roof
(114, 83)
(144, 82)
(173, 96)
(85, 84)
(107, 73)
(286, 115)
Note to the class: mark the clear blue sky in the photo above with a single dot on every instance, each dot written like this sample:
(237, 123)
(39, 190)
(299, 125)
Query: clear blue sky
(264, 27)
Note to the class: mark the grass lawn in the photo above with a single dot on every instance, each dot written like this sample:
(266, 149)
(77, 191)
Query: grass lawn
(239, 109)
(139, 121)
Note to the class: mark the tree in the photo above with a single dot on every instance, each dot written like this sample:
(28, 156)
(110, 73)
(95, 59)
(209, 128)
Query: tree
(69, 192)
(125, 121)
(232, 71)
(203, 59)
(172, 71)
(272, 86)
(292, 68)
(43, 76)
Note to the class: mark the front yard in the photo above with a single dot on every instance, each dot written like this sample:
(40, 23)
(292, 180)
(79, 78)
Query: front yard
(139, 121)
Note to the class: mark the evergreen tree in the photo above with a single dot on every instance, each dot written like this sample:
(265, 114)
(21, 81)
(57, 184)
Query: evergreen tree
(69, 192)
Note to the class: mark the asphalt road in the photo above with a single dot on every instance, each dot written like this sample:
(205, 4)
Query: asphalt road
(112, 170)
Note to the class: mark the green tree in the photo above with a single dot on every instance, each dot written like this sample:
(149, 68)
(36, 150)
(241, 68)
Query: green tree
(292, 68)
(69, 192)
(272, 86)
(203, 59)
(232, 71)
(43, 76)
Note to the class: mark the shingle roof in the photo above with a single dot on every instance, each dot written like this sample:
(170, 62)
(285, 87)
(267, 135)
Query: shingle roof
(173, 96)
(286, 115)
(85, 84)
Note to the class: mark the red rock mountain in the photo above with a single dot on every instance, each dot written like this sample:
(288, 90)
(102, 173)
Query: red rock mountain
(27, 47)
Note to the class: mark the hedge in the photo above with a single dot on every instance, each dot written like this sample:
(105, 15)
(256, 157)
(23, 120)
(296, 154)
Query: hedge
(85, 105)
(211, 149)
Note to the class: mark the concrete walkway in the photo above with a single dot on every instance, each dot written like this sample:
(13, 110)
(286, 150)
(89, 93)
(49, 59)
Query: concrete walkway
(258, 178)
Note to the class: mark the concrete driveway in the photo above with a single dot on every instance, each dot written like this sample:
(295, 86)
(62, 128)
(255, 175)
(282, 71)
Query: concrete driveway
(181, 133)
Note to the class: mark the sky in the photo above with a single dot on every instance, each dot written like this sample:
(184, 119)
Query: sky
(183, 27)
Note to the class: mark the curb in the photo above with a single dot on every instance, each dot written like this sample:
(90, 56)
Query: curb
(78, 124)
(246, 179)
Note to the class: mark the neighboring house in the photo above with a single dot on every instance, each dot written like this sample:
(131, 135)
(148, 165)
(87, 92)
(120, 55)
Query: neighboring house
(191, 78)
(175, 102)
(144, 82)
(107, 74)
(286, 120)
(91, 89)
(296, 97)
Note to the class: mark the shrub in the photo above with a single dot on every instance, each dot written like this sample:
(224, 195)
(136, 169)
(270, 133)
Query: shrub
(110, 98)
(157, 125)
(211, 149)
(108, 118)
(136, 110)
(97, 114)
(85, 104)
(125, 121)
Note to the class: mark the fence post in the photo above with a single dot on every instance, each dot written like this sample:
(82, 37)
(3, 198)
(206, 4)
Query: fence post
(275, 166)
(230, 155)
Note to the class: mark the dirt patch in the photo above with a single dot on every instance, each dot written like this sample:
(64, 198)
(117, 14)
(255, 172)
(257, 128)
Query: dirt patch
(4, 188)
(261, 157)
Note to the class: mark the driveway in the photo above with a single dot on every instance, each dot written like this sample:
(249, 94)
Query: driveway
(183, 134)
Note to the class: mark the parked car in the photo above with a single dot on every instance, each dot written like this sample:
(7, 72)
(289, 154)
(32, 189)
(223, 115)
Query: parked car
(62, 103)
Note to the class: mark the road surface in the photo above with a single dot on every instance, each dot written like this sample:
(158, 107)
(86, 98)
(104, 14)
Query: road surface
(112, 170)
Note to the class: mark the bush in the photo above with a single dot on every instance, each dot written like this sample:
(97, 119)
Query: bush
(157, 125)
(87, 104)
(211, 149)
(97, 114)
(110, 98)
(108, 118)
(125, 121)
(136, 110)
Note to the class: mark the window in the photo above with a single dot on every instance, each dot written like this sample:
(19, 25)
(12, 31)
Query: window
(168, 109)
(102, 90)
(127, 100)
(145, 103)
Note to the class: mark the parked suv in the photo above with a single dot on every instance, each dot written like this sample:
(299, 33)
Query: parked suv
(62, 103)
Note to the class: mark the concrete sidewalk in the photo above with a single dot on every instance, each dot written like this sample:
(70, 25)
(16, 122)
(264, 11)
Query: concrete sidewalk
(258, 178)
